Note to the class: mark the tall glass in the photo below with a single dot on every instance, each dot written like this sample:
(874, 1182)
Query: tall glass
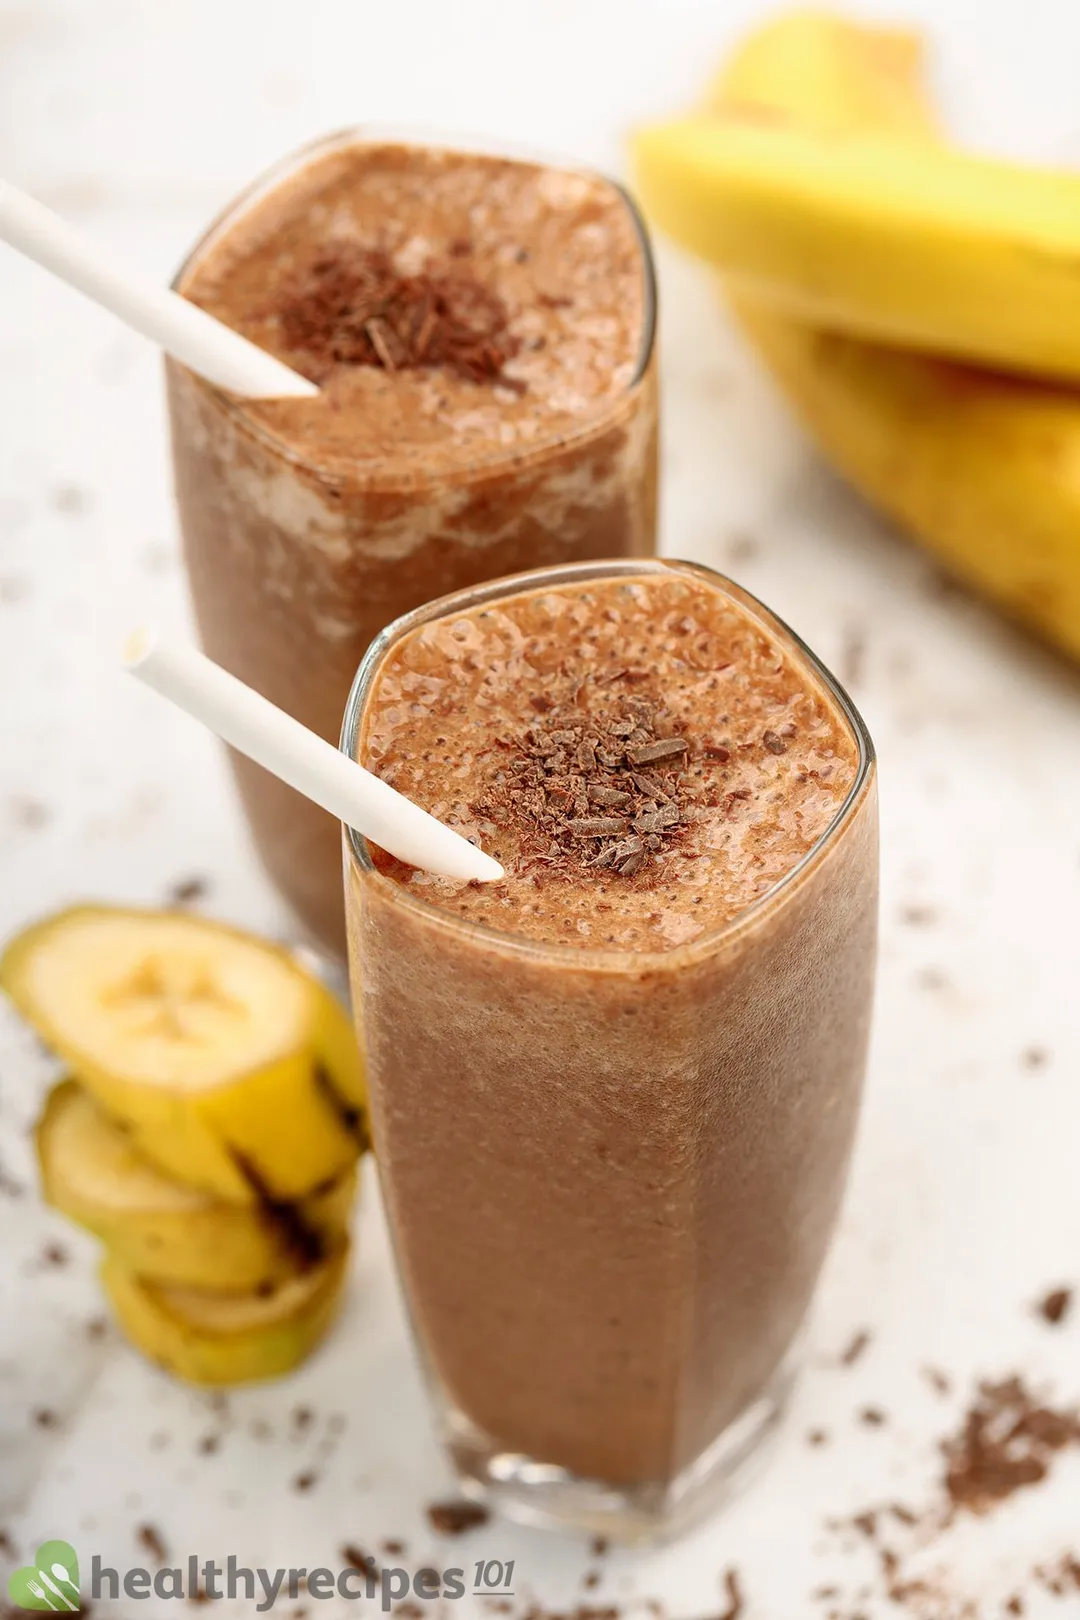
(295, 566)
(612, 1178)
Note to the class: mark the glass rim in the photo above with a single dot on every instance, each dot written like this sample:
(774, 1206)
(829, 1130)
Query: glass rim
(267, 181)
(706, 943)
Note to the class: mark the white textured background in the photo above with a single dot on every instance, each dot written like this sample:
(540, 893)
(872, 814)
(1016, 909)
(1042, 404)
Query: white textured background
(139, 120)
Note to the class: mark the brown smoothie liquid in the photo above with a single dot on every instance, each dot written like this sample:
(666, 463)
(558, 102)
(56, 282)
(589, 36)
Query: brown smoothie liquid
(614, 1094)
(480, 329)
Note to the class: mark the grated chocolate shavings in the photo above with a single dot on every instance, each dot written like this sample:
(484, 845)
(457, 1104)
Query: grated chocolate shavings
(351, 306)
(584, 759)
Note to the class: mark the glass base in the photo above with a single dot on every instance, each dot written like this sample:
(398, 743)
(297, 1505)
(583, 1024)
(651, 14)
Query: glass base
(541, 1494)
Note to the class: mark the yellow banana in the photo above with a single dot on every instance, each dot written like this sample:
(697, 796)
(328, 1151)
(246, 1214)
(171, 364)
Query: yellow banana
(827, 73)
(924, 247)
(220, 1339)
(984, 469)
(159, 1229)
(234, 1071)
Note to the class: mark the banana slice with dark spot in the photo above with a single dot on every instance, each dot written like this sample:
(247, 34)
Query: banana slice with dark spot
(235, 1071)
(93, 1172)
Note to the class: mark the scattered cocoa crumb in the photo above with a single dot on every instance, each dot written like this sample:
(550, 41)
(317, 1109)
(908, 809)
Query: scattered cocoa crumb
(306, 1481)
(591, 1579)
(28, 812)
(54, 1254)
(742, 546)
(856, 1347)
(456, 1518)
(352, 1555)
(149, 1538)
(69, 498)
(7, 1546)
(918, 916)
(1034, 1057)
(939, 1381)
(1061, 1577)
(9, 1187)
(873, 1417)
(409, 1610)
(1014, 1605)
(599, 1546)
(734, 1593)
(46, 1418)
(209, 1444)
(96, 1328)
(817, 1437)
(13, 589)
(852, 656)
(1007, 1442)
(393, 1548)
(187, 890)
(1054, 1308)
(303, 1417)
(351, 306)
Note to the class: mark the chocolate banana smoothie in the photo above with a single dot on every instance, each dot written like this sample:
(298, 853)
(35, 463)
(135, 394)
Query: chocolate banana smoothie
(614, 1094)
(481, 331)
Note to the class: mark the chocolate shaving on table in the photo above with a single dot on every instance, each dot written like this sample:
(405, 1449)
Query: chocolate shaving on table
(1007, 1443)
(351, 306)
(1054, 1308)
(456, 1518)
(578, 795)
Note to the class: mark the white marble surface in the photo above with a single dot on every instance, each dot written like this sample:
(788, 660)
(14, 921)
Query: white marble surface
(139, 120)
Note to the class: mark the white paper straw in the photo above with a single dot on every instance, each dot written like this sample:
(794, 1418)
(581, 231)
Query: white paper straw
(305, 761)
(181, 328)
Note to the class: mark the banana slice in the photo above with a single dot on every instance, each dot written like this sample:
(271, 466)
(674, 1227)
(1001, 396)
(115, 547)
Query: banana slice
(159, 1229)
(235, 1071)
(211, 1338)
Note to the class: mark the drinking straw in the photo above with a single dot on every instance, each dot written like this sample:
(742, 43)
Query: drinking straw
(181, 328)
(304, 760)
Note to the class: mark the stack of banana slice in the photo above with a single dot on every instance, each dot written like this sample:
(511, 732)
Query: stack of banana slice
(919, 306)
(209, 1133)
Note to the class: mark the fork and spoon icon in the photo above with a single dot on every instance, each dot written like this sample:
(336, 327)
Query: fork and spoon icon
(61, 1574)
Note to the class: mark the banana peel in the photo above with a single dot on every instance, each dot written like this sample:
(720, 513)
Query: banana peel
(163, 1231)
(924, 247)
(235, 1071)
(217, 1339)
(983, 468)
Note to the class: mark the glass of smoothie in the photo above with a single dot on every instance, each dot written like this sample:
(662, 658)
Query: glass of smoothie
(481, 328)
(613, 1095)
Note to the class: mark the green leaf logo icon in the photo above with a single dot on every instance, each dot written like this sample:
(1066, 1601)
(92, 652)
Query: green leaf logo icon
(51, 1582)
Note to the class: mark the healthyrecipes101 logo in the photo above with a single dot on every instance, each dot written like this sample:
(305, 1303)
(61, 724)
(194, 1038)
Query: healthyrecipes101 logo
(52, 1582)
